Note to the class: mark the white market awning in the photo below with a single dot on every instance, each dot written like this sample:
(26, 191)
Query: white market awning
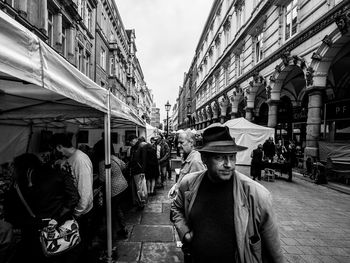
(38, 86)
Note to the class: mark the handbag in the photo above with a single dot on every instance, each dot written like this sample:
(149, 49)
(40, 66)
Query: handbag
(141, 187)
(55, 239)
(121, 184)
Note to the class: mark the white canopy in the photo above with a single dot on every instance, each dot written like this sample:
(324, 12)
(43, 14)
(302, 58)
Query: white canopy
(248, 134)
(36, 83)
(40, 88)
(150, 132)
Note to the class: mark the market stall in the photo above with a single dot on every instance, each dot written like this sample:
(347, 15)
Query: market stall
(248, 134)
(39, 89)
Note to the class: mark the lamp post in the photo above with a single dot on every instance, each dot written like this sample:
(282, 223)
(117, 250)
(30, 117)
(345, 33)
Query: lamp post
(167, 108)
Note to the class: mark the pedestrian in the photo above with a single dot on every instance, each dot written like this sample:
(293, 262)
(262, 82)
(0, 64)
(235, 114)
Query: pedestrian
(269, 149)
(280, 150)
(118, 186)
(82, 170)
(137, 168)
(192, 161)
(220, 214)
(50, 194)
(256, 164)
(163, 154)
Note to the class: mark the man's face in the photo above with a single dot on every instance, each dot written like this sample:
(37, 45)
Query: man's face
(60, 151)
(133, 142)
(221, 166)
(184, 145)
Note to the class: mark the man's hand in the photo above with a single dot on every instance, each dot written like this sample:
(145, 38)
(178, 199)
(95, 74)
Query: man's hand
(172, 192)
(188, 237)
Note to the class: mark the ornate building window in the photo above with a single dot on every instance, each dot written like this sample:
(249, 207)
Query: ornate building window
(88, 17)
(103, 58)
(87, 63)
(80, 57)
(64, 41)
(111, 66)
(227, 31)
(258, 45)
(290, 19)
(239, 64)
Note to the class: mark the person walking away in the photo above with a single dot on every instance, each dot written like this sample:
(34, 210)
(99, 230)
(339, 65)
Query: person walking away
(150, 161)
(118, 186)
(192, 161)
(269, 149)
(137, 170)
(163, 154)
(51, 194)
(81, 168)
(256, 164)
(222, 215)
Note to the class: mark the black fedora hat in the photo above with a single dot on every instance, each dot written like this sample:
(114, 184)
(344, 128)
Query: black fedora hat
(218, 140)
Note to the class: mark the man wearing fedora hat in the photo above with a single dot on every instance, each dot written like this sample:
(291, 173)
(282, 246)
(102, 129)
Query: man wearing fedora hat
(222, 215)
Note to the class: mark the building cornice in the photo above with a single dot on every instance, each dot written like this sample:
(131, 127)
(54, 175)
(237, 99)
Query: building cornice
(306, 34)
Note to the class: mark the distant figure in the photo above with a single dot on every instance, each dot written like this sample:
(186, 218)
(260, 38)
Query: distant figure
(256, 163)
(269, 149)
(163, 154)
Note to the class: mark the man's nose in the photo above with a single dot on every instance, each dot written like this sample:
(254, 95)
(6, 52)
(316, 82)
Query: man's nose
(228, 161)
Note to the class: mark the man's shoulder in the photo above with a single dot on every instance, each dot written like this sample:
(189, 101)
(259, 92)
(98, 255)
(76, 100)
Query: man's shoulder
(194, 156)
(189, 178)
(252, 187)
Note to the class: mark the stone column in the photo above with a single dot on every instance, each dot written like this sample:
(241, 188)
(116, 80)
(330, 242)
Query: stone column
(215, 111)
(43, 16)
(249, 114)
(57, 34)
(313, 125)
(70, 44)
(272, 122)
(224, 103)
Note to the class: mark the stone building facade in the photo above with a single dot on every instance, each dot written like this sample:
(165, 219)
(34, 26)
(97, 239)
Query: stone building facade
(277, 63)
(155, 116)
(90, 34)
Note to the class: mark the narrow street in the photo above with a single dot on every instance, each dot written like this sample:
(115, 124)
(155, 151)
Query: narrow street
(314, 225)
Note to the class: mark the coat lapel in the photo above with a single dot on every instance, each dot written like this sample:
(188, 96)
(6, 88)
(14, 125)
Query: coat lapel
(241, 215)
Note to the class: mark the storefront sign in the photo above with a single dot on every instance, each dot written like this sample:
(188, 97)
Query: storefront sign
(336, 110)
(299, 114)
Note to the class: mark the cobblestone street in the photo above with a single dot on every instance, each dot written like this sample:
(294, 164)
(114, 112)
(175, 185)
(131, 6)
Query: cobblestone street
(314, 225)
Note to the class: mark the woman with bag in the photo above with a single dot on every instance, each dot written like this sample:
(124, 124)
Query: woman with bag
(137, 167)
(118, 185)
(39, 192)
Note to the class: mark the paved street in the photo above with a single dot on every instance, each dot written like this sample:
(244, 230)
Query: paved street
(314, 225)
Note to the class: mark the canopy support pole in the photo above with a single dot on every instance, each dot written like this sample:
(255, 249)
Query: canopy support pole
(107, 128)
(137, 130)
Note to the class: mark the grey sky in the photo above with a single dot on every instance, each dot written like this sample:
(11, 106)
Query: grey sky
(167, 33)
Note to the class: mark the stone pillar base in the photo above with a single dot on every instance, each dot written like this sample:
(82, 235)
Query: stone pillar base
(310, 152)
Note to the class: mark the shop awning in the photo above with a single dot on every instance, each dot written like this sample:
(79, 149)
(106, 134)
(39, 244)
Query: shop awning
(38, 86)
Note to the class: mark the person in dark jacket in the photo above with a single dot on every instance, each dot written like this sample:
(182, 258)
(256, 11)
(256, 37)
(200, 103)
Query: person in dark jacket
(269, 149)
(137, 169)
(257, 157)
(50, 193)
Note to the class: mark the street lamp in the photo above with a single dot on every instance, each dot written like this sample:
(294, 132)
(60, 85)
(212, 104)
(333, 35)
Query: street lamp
(167, 108)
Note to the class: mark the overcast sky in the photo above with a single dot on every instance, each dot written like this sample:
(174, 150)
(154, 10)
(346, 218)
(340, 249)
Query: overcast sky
(167, 33)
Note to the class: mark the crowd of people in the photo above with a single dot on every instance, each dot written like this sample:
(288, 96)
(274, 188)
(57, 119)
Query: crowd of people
(273, 153)
(215, 220)
(64, 186)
